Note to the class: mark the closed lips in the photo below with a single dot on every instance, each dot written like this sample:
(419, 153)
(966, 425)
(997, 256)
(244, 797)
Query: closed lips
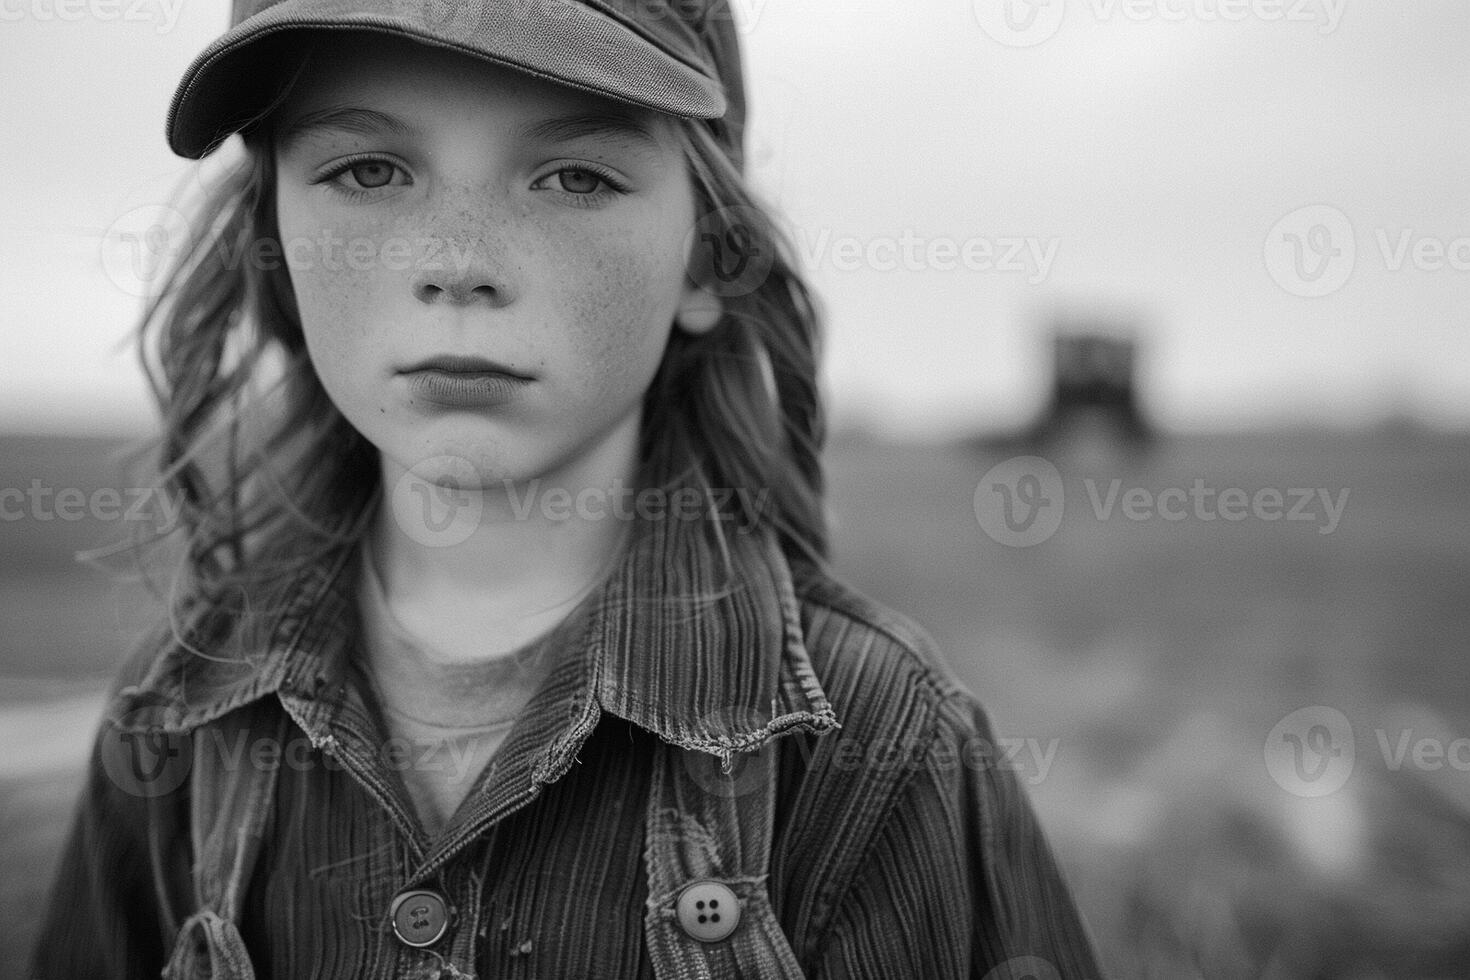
(466, 365)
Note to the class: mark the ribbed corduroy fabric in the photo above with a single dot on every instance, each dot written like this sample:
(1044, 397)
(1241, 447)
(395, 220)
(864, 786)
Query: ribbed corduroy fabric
(901, 849)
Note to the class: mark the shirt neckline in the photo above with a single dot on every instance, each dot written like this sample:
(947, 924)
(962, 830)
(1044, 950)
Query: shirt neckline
(695, 636)
(385, 638)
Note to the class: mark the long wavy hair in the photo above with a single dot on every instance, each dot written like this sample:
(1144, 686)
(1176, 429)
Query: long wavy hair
(268, 474)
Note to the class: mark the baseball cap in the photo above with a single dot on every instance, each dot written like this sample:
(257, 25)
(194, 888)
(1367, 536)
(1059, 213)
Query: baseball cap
(676, 56)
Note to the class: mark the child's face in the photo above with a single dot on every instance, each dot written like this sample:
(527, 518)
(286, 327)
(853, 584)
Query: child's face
(507, 219)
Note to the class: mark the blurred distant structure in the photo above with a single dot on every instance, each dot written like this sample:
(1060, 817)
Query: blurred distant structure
(1094, 383)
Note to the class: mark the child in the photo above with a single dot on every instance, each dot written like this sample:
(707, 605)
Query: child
(504, 643)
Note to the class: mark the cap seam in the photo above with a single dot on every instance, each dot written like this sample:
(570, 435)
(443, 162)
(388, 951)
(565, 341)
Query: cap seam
(636, 28)
(382, 25)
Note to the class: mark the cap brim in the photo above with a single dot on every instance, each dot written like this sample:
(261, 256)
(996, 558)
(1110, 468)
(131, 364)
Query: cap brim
(238, 76)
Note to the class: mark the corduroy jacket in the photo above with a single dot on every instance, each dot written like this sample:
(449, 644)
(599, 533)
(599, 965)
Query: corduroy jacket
(901, 848)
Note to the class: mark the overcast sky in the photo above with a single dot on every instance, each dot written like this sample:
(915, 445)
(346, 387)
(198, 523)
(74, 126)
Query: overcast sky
(1277, 189)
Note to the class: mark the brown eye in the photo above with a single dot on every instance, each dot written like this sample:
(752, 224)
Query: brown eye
(372, 173)
(578, 181)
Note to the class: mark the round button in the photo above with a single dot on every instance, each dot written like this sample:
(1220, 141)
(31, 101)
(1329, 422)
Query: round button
(708, 911)
(420, 917)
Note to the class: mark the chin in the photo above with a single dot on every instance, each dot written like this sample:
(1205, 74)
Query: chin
(453, 461)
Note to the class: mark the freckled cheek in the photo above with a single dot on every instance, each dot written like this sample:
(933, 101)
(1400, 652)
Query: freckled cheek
(343, 295)
(339, 281)
(345, 337)
(340, 306)
(618, 308)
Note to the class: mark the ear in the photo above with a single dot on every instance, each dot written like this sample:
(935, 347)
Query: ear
(698, 311)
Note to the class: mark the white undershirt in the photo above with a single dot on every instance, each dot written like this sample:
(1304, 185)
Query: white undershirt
(448, 711)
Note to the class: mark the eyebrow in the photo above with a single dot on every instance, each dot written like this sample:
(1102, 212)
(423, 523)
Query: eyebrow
(345, 119)
(609, 126)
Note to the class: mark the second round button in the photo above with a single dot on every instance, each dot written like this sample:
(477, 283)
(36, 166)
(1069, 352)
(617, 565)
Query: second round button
(420, 917)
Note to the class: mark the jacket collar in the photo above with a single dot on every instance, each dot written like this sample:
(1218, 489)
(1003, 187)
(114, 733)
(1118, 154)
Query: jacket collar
(704, 659)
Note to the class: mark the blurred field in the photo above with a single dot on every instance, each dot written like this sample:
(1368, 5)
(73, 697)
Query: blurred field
(1158, 655)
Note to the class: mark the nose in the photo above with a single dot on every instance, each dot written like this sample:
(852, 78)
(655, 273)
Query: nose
(458, 289)
(456, 292)
(461, 273)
